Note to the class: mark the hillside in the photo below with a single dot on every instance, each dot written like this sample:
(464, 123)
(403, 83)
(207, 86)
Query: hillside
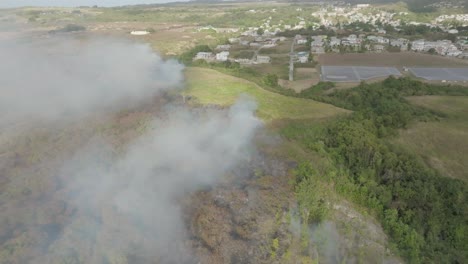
(210, 87)
(442, 143)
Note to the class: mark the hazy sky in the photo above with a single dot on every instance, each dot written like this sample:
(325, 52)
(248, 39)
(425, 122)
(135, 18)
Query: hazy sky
(17, 3)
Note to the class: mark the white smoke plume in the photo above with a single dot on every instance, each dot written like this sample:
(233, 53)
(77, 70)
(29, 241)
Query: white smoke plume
(64, 76)
(133, 199)
(107, 204)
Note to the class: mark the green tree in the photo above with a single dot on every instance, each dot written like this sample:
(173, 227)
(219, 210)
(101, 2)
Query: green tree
(271, 80)
(260, 31)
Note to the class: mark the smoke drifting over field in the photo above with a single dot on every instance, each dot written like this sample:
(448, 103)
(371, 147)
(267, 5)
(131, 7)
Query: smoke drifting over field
(112, 205)
(58, 77)
(136, 196)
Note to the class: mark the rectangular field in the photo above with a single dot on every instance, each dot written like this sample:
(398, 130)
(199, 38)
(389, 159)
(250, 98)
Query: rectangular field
(355, 73)
(439, 74)
(397, 59)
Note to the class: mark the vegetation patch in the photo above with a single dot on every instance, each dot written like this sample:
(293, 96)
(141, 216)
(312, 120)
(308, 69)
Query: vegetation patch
(423, 212)
(212, 87)
(442, 144)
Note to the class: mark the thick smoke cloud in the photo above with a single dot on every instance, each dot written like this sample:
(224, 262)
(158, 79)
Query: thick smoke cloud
(63, 76)
(108, 203)
(134, 199)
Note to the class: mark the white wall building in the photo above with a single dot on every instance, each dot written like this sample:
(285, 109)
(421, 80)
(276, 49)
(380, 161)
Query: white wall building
(263, 59)
(222, 56)
(204, 56)
(139, 33)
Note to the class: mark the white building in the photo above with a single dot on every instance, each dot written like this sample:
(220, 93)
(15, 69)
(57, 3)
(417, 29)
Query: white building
(139, 33)
(303, 57)
(222, 56)
(362, 5)
(263, 59)
(300, 40)
(418, 45)
(223, 47)
(204, 56)
(334, 42)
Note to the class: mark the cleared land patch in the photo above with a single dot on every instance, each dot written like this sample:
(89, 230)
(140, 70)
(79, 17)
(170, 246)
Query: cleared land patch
(400, 59)
(439, 74)
(212, 87)
(443, 144)
(356, 73)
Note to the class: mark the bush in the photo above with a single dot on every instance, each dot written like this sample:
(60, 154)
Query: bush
(424, 214)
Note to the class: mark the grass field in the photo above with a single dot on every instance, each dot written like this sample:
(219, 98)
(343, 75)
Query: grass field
(212, 87)
(444, 144)
(398, 60)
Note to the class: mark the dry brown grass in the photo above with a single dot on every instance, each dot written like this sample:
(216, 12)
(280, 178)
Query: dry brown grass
(304, 78)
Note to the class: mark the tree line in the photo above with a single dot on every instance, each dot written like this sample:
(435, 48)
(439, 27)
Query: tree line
(424, 213)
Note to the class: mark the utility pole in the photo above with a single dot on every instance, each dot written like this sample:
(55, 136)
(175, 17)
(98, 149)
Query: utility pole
(291, 62)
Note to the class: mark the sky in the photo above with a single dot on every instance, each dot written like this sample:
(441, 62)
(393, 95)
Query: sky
(68, 3)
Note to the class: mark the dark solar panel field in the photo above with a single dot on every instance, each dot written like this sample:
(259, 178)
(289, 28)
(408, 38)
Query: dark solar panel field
(356, 73)
(440, 74)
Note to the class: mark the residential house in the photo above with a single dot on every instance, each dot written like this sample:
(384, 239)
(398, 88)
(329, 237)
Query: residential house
(300, 40)
(379, 48)
(351, 41)
(442, 47)
(401, 43)
(418, 45)
(222, 56)
(139, 33)
(234, 40)
(335, 42)
(204, 56)
(223, 47)
(245, 42)
(378, 39)
(244, 61)
(263, 59)
(317, 44)
(303, 57)
(255, 44)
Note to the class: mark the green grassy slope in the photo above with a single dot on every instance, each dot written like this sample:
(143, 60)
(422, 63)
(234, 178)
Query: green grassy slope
(442, 144)
(212, 87)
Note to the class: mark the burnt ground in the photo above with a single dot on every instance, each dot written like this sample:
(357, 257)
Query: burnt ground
(248, 217)
(237, 221)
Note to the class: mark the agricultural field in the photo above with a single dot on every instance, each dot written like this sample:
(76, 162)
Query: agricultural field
(442, 144)
(441, 74)
(399, 60)
(356, 73)
(210, 87)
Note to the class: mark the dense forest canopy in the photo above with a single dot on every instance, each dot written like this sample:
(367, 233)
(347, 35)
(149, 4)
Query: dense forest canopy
(424, 213)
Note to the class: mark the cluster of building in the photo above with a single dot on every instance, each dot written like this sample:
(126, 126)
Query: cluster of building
(441, 47)
(321, 44)
(222, 54)
(463, 18)
(334, 17)
(331, 16)
(258, 41)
